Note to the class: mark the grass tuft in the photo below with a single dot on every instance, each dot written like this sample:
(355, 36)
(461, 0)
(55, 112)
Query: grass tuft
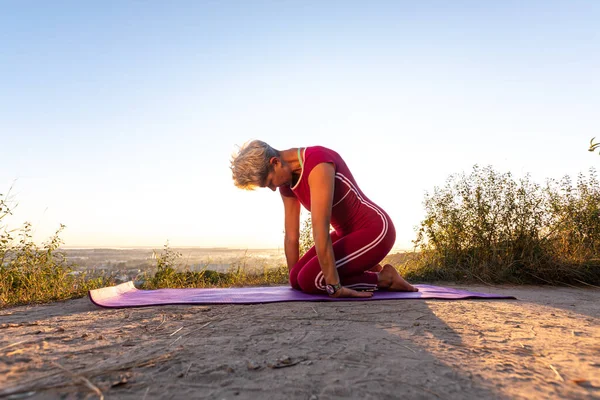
(37, 274)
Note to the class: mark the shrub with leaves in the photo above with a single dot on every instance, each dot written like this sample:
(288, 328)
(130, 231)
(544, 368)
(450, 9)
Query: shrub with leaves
(30, 273)
(306, 236)
(575, 225)
(489, 226)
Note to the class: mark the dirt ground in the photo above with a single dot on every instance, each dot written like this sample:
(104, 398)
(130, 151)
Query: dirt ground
(544, 345)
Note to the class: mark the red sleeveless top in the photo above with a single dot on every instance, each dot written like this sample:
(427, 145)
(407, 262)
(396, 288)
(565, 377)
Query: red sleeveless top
(351, 208)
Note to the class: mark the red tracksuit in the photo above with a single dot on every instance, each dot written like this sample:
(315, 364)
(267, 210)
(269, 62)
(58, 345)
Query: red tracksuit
(364, 233)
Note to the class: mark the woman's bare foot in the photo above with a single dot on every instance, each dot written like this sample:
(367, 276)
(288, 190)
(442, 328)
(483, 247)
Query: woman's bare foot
(376, 268)
(390, 279)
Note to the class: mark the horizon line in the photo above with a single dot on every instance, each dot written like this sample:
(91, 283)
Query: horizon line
(280, 248)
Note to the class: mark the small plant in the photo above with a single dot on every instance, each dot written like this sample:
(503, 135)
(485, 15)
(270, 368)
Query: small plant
(307, 240)
(306, 236)
(30, 273)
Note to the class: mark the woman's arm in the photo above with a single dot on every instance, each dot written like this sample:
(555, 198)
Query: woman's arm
(321, 182)
(291, 242)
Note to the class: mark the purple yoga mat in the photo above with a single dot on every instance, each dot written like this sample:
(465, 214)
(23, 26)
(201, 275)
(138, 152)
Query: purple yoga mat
(126, 295)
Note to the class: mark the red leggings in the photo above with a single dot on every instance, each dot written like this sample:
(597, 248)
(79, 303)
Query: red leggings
(355, 253)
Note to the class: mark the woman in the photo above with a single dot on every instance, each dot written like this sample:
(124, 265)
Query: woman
(341, 262)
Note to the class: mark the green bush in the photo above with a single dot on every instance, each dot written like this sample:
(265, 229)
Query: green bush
(491, 227)
(574, 229)
(35, 274)
(306, 236)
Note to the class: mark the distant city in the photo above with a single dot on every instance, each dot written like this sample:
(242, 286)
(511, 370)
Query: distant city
(191, 258)
(132, 261)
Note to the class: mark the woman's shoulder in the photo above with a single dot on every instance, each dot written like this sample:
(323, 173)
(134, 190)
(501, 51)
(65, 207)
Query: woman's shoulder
(320, 151)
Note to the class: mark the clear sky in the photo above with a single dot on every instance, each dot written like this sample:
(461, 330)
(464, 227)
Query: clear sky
(118, 118)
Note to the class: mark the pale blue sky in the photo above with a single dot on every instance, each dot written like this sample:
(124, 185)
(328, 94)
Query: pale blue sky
(118, 118)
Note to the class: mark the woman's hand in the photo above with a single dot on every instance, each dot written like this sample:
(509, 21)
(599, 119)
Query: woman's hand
(347, 292)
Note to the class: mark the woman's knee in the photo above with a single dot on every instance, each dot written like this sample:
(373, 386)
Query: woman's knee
(308, 283)
(310, 289)
(294, 282)
(294, 278)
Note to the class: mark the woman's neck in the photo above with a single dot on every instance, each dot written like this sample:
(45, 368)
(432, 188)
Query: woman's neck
(290, 157)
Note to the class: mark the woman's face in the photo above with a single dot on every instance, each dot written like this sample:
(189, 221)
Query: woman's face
(279, 175)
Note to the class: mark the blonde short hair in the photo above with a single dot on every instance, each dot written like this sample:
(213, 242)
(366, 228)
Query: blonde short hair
(250, 166)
